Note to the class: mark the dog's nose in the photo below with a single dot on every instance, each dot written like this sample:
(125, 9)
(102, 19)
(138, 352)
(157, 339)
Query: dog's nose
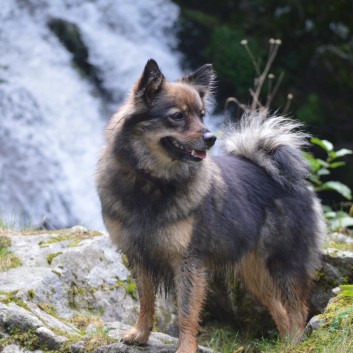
(209, 138)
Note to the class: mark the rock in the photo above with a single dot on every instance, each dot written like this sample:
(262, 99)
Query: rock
(49, 339)
(157, 343)
(336, 269)
(13, 348)
(314, 324)
(14, 317)
(102, 338)
(73, 271)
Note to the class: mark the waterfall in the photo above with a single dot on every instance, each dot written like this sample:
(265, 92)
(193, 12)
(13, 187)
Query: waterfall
(52, 116)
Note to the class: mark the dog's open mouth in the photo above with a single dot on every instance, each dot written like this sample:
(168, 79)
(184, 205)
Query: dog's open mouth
(182, 151)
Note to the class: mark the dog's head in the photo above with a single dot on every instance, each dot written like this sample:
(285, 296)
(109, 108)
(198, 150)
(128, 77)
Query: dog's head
(168, 116)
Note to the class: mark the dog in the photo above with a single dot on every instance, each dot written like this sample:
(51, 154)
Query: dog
(180, 215)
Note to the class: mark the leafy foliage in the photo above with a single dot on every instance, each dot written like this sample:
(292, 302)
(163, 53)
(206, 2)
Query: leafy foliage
(321, 169)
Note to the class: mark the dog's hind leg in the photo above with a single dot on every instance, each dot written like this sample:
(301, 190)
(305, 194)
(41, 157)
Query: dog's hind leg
(260, 283)
(191, 285)
(295, 300)
(284, 296)
(143, 327)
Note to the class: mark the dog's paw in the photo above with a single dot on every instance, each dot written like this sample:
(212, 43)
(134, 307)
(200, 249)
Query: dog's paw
(135, 336)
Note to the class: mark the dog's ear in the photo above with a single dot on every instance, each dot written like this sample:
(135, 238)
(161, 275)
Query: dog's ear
(150, 82)
(202, 79)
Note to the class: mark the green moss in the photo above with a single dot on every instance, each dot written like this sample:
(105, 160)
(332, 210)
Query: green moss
(50, 257)
(5, 241)
(74, 244)
(131, 288)
(31, 294)
(11, 297)
(49, 309)
(57, 273)
(8, 259)
(125, 260)
(66, 235)
(28, 340)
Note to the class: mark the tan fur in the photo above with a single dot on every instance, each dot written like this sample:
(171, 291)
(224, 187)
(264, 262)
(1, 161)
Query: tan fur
(144, 325)
(289, 316)
(189, 316)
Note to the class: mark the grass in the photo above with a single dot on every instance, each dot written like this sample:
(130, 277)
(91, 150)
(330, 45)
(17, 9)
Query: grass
(7, 258)
(335, 336)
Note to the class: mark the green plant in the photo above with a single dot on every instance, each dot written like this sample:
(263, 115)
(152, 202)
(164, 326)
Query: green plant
(321, 169)
(346, 290)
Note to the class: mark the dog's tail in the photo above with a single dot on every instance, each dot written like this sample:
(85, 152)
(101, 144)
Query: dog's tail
(272, 142)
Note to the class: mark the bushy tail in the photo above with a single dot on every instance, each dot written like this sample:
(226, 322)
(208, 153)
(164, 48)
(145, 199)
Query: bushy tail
(272, 142)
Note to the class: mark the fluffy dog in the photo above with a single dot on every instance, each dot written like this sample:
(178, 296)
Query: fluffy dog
(180, 215)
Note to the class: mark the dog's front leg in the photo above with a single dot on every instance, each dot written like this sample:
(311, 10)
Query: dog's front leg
(190, 283)
(141, 331)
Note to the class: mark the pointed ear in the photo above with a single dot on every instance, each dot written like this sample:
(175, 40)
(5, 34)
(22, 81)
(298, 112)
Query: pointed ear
(150, 82)
(202, 79)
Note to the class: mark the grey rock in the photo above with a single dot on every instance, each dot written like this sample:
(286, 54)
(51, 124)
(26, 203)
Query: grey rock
(157, 343)
(51, 321)
(13, 348)
(314, 324)
(85, 273)
(49, 339)
(13, 316)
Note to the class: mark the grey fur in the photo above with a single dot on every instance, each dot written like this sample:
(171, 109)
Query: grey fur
(272, 142)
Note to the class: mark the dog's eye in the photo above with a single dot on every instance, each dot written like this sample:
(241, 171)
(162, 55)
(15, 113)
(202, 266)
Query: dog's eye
(177, 116)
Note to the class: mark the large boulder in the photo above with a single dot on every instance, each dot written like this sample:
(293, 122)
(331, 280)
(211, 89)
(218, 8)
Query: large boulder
(74, 271)
(26, 328)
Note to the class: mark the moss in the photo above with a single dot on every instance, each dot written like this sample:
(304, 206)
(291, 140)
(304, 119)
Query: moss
(74, 244)
(125, 260)
(49, 309)
(57, 273)
(31, 294)
(325, 282)
(11, 297)
(83, 321)
(5, 241)
(8, 259)
(28, 340)
(67, 235)
(50, 257)
(131, 288)
(78, 292)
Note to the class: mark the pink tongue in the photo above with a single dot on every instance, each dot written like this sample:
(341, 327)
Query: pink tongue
(200, 154)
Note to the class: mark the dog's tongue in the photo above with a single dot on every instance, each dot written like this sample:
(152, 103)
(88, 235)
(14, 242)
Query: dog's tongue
(200, 154)
(197, 153)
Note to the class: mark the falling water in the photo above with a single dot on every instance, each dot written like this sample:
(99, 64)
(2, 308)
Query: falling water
(51, 116)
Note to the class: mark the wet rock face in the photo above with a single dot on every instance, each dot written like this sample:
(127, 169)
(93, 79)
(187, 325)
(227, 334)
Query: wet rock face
(70, 36)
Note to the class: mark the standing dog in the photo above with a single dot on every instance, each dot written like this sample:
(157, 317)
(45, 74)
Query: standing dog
(180, 215)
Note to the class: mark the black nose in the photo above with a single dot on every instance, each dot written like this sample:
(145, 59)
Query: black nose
(209, 138)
